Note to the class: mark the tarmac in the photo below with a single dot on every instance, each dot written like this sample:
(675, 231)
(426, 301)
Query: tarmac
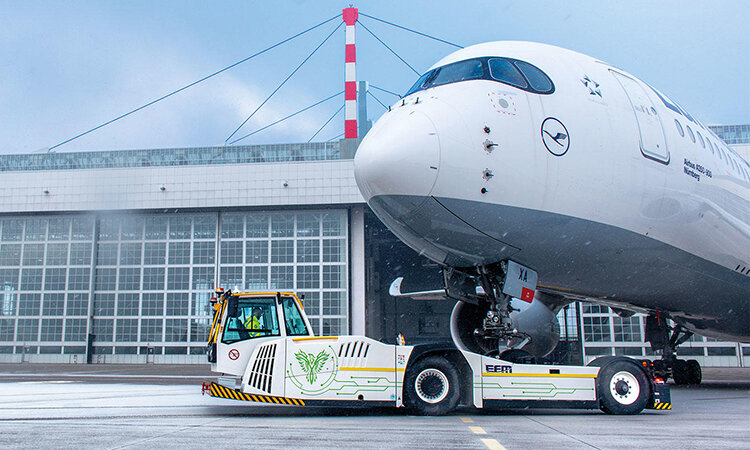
(161, 406)
(190, 373)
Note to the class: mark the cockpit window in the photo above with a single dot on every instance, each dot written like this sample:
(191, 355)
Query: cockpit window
(504, 71)
(471, 69)
(537, 79)
(512, 72)
(460, 71)
(419, 85)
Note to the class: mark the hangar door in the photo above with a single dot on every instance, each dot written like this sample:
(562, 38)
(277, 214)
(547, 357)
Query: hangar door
(653, 144)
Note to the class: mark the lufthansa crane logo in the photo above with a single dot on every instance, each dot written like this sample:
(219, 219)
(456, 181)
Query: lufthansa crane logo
(555, 136)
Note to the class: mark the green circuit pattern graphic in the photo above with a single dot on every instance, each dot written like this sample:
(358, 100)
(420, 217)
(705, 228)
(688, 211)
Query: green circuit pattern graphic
(529, 390)
(350, 387)
(358, 384)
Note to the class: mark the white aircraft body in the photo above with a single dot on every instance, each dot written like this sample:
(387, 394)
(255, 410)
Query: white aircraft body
(606, 188)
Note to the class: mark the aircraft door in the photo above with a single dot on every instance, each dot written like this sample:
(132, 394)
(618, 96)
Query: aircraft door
(652, 141)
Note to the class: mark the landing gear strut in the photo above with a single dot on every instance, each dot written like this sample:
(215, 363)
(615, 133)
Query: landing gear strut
(491, 307)
(680, 370)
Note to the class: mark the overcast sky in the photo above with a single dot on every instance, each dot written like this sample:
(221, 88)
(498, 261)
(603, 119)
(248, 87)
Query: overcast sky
(68, 66)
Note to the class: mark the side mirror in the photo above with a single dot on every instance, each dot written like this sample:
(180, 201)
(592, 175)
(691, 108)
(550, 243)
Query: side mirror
(233, 307)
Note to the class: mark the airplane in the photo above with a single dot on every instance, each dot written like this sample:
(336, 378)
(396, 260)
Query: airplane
(523, 158)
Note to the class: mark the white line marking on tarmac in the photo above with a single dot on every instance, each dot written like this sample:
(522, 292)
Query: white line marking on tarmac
(492, 444)
(477, 430)
(467, 420)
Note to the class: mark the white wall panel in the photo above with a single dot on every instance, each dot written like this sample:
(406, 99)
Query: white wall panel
(241, 185)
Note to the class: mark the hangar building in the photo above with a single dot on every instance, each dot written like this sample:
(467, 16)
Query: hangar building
(112, 256)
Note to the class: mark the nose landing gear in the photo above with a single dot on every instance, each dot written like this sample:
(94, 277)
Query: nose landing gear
(488, 310)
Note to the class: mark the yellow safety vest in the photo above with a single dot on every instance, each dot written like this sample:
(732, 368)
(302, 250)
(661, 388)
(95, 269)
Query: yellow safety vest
(252, 323)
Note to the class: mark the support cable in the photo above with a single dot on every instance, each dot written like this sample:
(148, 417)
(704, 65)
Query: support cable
(196, 82)
(287, 117)
(327, 122)
(377, 100)
(282, 84)
(392, 51)
(409, 29)
(335, 137)
(385, 90)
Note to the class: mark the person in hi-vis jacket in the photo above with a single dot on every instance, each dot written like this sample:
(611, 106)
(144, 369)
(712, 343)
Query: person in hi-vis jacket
(254, 322)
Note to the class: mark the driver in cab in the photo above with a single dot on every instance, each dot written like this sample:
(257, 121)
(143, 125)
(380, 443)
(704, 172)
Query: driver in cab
(254, 322)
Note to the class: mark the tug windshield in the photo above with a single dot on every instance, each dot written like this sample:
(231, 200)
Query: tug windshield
(255, 317)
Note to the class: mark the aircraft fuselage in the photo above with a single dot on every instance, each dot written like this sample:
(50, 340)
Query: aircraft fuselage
(600, 183)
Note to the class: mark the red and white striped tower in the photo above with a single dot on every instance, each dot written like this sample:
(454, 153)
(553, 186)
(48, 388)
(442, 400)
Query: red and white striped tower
(350, 79)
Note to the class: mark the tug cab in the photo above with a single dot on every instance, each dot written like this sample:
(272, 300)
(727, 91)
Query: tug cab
(242, 321)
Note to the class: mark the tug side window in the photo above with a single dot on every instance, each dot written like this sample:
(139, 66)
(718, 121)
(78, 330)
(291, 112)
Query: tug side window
(295, 325)
(256, 317)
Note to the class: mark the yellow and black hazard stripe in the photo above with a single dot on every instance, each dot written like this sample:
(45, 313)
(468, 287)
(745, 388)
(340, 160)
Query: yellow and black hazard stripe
(220, 391)
(663, 406)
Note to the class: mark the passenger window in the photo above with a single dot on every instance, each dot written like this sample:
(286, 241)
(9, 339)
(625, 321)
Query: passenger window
(700, 138)
(690, 133)
(504, 71)
(537, 79)
(679, 128)
(460, 71)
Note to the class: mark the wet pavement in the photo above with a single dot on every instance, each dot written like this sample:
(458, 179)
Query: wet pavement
(162, 407)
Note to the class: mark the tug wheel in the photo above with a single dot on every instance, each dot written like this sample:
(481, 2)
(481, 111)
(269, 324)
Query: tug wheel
(622, 388)
(431, 386)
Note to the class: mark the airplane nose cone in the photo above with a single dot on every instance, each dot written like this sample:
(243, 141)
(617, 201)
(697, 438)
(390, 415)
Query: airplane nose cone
(399, 157)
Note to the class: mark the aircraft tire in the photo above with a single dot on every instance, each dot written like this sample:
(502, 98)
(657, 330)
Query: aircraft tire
(622, 388)
(695, 374)
(431, 387)
(681, 372)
